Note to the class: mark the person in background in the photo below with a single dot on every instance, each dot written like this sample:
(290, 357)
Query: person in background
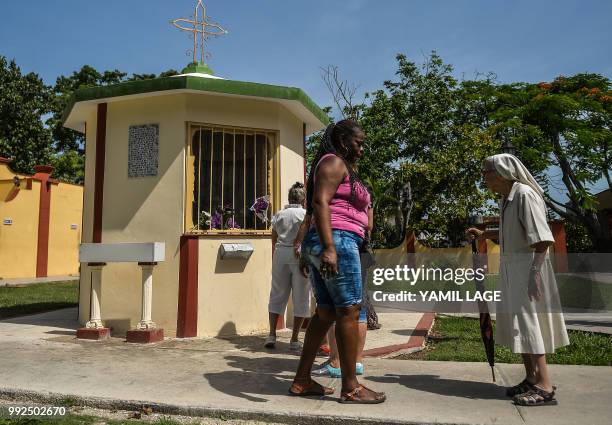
(529, 319)
(286, 275)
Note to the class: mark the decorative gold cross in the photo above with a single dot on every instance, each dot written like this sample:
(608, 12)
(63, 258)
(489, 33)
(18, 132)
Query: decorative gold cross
(200, 26)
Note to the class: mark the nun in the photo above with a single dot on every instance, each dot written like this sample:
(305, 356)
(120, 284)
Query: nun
(529, 319)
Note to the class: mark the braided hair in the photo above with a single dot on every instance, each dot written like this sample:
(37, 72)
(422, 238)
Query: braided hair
(334, 141)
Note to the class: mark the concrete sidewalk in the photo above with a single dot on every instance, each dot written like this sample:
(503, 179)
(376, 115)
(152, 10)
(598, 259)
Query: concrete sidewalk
(236, 378)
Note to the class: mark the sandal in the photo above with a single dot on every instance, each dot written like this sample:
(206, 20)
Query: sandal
(312, 388)
(536, 397)
(353, 397)
(521, 388)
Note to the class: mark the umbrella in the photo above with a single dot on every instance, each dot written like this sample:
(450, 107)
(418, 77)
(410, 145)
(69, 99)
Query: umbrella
(486, 326)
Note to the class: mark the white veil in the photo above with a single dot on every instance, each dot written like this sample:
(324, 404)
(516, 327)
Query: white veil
(511, 168)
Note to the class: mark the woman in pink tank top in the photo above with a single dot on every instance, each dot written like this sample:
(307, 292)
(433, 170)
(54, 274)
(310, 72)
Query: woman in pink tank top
(338, 203)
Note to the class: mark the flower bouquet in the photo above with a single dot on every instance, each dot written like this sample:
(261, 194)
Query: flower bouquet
(260, 208)
(203, 220)
(224, 219)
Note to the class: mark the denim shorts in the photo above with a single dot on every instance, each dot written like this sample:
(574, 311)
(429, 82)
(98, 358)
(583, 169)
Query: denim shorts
(345, 288)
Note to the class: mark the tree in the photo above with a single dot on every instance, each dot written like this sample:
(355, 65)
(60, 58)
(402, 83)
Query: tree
(24, 100)
(565, 124)
(378, 167)
(427, 129)
(440, 134)
(68, 144)
(64, 138)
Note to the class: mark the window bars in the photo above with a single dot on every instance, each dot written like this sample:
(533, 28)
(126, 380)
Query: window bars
(232, 169)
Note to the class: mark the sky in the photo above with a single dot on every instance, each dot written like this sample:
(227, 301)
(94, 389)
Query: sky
(286, 42)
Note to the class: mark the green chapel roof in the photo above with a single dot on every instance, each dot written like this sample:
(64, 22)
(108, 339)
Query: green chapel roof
(195, 83)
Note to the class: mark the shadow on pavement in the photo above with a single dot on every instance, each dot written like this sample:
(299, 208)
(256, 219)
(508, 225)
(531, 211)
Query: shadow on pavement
(446, 387)
(58, 316)
(255, 378)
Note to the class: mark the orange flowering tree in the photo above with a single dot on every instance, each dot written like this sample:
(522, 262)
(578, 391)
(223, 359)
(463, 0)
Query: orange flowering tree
(565, 124)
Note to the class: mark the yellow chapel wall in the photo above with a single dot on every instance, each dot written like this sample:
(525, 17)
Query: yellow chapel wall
(152, 209)
(233, 294)
(142, 209)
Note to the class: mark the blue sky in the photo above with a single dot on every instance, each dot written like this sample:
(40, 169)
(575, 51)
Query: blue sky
(286, 41)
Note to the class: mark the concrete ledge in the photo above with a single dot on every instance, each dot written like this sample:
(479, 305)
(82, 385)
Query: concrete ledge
(415, 342)
(99, 334)
(144, 336)
(58, 399)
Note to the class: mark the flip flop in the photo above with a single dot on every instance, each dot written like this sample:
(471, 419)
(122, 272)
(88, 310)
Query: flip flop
(352, 397)
(311, 389)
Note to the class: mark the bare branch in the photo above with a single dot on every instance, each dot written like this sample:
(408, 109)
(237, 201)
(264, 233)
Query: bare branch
(343, 92)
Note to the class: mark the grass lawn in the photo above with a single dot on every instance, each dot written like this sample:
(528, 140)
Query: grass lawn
(29, 299)
(458, 339)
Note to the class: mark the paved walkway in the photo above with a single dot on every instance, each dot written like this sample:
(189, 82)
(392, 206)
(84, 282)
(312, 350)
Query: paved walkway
(41, 360)
(32, 280)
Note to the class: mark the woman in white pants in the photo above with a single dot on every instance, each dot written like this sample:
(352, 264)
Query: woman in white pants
(286, 275)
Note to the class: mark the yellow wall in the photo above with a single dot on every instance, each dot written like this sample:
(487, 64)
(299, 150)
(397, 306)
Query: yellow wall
(233, 294)
(493, 256)
(66, 210)
(389, 258)
(19, 240)
(143, 209)
(150, 209)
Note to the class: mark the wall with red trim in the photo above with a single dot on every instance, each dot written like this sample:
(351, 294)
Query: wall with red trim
(36, 237)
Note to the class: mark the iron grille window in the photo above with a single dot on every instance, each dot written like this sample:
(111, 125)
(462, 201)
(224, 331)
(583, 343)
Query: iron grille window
(232, 169)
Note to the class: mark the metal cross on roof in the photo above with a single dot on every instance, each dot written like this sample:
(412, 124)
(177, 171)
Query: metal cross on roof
(201, 28)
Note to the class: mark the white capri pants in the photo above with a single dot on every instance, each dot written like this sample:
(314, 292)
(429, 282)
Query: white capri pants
(286, 277)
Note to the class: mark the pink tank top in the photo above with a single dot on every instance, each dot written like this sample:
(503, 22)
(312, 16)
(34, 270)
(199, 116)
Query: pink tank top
(346, 213)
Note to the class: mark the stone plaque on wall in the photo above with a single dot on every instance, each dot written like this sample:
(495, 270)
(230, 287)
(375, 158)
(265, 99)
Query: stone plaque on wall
(143, 152)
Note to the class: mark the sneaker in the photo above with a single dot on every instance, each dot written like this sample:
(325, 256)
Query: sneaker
(270, 341)
(295, 346)
(321, 370)
(327, 369)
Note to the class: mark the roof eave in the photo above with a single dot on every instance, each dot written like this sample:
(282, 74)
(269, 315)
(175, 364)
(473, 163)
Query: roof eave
(161, 86)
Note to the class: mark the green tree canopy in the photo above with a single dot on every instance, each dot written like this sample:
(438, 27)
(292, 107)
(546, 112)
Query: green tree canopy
(430, 130)
(24, 100)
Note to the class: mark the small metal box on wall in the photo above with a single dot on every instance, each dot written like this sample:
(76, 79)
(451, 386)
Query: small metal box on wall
(236, 251)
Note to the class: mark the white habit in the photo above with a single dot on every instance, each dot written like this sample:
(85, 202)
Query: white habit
(535, 327)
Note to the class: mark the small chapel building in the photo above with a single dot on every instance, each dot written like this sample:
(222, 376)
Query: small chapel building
(199, 163)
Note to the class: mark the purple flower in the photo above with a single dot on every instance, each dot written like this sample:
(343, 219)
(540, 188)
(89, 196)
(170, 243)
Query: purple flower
(231, 224)
(260, 207)
(261, 204)
(216, 220)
